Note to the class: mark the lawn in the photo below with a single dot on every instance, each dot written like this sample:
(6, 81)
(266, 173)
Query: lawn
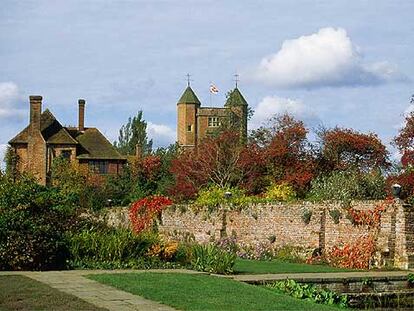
(22, 293)
(203, 292)
(245, 266)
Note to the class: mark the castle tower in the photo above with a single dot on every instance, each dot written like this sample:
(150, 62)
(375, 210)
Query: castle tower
(238, 107)
(187, 107)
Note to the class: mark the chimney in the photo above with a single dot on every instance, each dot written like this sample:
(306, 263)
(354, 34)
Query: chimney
(81, 122)
(35, 112)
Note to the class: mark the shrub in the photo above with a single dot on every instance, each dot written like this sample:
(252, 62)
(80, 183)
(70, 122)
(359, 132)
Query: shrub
(213, 198)
(335, 215)
(356, 255)
(280, 192)
(210, 258)
(306, 216)
(346, 186)
(32, 221)
(310, 292)
(142, 212)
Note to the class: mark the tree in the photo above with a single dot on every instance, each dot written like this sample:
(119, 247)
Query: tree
(287, 151)
(343, 149)
(134, 134)
(215, 161)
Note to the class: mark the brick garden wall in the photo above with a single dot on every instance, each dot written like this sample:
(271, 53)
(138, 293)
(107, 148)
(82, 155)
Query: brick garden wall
(284, 225)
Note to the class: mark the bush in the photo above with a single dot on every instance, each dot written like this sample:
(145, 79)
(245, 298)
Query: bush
(346, 186)
(213, 198)
(280, 192)
(210, 258)
(310, 292)
(32, 221)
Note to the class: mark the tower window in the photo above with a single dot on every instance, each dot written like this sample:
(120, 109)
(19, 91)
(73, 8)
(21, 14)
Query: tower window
(189, 128)
(213, 122)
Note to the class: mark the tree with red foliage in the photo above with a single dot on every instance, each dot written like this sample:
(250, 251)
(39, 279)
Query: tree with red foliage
(404, 141)
(344, 149)
(215, 161)
(287, 151)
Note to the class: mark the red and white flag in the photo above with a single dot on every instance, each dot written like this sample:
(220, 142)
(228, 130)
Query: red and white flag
(213, 89)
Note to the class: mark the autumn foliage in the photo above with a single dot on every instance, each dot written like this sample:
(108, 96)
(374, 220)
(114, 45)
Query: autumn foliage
(343, 149)
(142, 212)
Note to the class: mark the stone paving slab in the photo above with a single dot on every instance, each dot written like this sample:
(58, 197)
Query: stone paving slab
(74, 283)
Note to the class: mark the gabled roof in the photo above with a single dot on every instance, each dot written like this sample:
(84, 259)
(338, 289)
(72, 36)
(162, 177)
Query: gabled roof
(94, 145)
(189, 97)
(235, 98)
(91, 144)
(52, 131)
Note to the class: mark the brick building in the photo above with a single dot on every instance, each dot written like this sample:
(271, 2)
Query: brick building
(45, 138)
(195, 122)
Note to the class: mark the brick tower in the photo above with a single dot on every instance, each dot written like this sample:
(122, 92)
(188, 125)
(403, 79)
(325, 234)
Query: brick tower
(187, 130)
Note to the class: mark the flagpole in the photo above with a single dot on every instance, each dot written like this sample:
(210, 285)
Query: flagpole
(209, 90)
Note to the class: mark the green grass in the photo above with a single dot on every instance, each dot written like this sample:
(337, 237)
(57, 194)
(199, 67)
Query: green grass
(203, 292)
(245, 266)
(22, 293)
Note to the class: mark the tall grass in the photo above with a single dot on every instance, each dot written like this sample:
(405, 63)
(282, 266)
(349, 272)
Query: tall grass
(112, 245)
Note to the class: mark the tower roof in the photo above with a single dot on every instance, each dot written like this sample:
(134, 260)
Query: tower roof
(235, 98)
(189, 97)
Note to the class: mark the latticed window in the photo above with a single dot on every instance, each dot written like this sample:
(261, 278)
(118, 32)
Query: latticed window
(213, 122)
(98, 167)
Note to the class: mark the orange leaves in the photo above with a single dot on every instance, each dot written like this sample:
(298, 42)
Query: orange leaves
(370, 218)
(142, 212)
(354, 256)
(345, 148)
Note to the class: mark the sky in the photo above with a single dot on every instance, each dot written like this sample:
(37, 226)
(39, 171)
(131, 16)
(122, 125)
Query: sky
(345, 63)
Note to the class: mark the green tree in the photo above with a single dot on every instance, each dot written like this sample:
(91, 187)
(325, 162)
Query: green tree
(132, 134)
(11, 159)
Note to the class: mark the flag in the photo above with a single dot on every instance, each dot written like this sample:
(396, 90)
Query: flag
(213, 89)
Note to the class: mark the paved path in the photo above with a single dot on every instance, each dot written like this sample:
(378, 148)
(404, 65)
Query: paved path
(74, 283)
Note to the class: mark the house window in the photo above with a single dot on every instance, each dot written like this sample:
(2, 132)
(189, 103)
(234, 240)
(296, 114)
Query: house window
(98, 167)
(189, 128)
(66, 154)
(213, 122)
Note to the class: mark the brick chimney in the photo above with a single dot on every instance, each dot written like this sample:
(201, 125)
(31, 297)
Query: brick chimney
(35, 112)
(81, 122)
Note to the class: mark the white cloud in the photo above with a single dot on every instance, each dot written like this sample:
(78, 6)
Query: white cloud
(273, 105)
(325, 58)
(11, 101)
(162, 135)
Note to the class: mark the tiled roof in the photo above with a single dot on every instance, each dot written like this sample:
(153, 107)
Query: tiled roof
(189, 97)
(94, 145)
(91, 143)
(52, 131)
(235, 98)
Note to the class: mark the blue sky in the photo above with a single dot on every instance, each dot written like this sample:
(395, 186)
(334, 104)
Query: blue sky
(346, 63)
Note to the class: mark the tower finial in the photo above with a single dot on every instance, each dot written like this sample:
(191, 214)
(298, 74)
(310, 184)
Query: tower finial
(188, 79)
(236, 78)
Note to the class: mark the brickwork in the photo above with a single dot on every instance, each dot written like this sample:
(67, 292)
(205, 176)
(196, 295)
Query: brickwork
(193, 120)
(284, 224)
